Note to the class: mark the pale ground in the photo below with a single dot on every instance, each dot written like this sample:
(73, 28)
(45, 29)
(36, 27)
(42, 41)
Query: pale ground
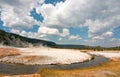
(107, 54)
(31, 56)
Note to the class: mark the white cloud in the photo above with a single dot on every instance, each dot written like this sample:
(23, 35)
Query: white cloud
(15, 31)
(64, 33)
(98, 38)
(34, 35)
(63, 14)
(23, 33)
(100, 16)
(43, 33)
(16, 13)
(46, 30)
(60, 39)
(109, 34)
(53, 31)
(106, 35)
(72, 37)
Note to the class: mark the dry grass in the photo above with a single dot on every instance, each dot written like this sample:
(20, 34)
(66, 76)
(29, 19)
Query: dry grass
(109, 69)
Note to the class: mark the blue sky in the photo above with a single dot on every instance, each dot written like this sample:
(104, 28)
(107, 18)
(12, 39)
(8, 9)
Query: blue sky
(86, 22)
(53, 1)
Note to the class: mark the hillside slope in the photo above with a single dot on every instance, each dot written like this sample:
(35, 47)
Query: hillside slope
(11, 39)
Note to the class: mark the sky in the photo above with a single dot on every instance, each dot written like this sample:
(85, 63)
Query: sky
(79, 22)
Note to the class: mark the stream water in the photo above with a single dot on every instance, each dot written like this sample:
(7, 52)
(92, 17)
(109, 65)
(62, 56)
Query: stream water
(15, 69)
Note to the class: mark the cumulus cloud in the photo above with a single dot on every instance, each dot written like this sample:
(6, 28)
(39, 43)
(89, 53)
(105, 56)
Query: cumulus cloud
(16, 13)
(60, 39)
(64, 33)
(43, 33)
(15, 31)
(106, 35)
(64, 13)
(99, 15)
(53, 31)
(98, 38)
(46, 30)
(72, 37)
(34, 35)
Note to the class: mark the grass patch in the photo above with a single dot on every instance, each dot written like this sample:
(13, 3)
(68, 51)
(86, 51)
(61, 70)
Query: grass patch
(48, 73)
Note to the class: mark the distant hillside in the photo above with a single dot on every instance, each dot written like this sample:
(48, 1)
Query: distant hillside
(71, 46)
(11, 39)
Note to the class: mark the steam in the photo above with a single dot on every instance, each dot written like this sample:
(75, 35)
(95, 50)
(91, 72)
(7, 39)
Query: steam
(22, 45)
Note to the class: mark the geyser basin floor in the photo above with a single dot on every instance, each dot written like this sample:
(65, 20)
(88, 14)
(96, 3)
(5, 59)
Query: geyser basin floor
(111, 55)
(16, 69)
(42, 56)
